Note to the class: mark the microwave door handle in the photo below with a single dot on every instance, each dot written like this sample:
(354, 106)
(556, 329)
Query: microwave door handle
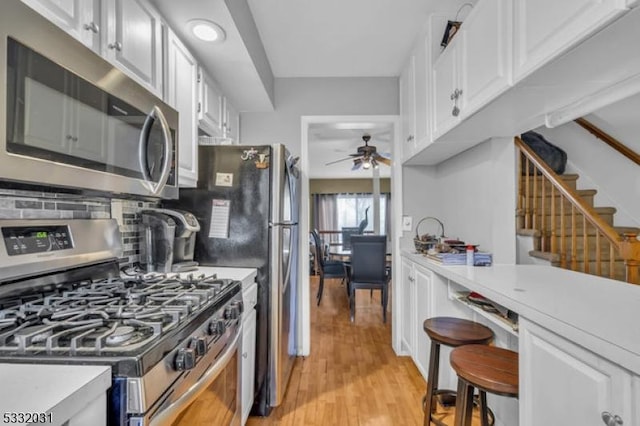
(155, 188)
(168, 151)
(142, 151)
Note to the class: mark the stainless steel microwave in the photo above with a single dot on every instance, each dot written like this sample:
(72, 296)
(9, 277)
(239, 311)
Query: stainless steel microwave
(68, 118)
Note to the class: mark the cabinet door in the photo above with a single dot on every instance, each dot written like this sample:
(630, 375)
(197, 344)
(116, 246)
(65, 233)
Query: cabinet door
(80, 18)
(562, 383)
(248, 362)
(182, 94)
(540, 35)
(408, 306)
(231, 123)
(408, 109)
(424, 303)
(445, 86)
(210, 106)
(134, 41)
(421, 95)
(486, 54)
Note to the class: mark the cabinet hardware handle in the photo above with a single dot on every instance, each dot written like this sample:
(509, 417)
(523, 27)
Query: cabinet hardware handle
(456, 111)
(117, 46)
(199, 106)
(409, 138)
(91, 26)
(456, 94)
(611, 419)
(245, 355)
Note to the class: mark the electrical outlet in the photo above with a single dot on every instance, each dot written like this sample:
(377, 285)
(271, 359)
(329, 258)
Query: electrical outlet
(407, 223)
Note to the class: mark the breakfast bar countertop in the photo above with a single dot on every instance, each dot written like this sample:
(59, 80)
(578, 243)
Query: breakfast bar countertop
(55, 393)
(597, 313)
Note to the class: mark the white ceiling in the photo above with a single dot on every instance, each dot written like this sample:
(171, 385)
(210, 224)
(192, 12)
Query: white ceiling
(338, 38)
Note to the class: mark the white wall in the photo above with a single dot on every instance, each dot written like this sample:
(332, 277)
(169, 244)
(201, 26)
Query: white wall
(600, 167)
(473, 194)
(295, 97)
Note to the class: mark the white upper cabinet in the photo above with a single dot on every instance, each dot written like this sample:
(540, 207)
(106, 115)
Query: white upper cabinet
(182, 94)
(447, 95)
(408, 108)
(231, 124)
(134, 41)
(80, 18)
(486, 53)
(546, 28)
(209, 106)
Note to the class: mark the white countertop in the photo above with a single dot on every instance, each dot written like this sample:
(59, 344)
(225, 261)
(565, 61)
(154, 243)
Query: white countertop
(62, 390)
(598, 313)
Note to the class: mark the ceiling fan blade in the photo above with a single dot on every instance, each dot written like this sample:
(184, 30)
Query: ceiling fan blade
(357, 163)
(337, 161)
(380, 159)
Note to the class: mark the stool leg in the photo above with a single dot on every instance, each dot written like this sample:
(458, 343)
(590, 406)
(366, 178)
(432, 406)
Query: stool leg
(464, 403)
(484, 414)
(432, 382)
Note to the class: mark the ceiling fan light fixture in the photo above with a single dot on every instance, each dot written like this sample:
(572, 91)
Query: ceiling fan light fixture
(374, 163)
(366, 164)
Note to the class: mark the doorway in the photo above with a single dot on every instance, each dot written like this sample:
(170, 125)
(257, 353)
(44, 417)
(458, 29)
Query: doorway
(347, 131)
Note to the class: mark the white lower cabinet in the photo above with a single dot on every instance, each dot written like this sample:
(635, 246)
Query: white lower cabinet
(408, 307)
(248, 367)
(424, 308)
(562, 383)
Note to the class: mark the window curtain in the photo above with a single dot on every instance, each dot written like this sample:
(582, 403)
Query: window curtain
(325, 213)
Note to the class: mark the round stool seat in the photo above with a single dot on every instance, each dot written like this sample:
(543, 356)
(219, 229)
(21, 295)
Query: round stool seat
(456, 331)
(488, 368)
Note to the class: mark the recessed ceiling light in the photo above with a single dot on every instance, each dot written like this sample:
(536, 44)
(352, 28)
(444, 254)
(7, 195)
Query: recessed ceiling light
(206, 30)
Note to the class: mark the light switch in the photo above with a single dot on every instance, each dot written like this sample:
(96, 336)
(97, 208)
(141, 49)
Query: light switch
(407, 223)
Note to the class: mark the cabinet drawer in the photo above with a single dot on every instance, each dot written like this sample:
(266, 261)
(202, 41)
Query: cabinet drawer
(250, 296)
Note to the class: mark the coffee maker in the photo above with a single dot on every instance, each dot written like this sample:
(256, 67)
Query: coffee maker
(168, 240)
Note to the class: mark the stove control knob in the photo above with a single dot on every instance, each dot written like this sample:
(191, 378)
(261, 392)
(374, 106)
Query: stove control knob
(239, 305)
(231, 312)
(217, 327)
(185, 359)
(199, 344)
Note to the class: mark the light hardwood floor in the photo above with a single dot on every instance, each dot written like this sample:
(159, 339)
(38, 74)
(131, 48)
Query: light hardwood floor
(352, 376)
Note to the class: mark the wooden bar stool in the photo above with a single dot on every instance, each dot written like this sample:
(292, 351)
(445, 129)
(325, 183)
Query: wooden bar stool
(450, 332)
(487, 368)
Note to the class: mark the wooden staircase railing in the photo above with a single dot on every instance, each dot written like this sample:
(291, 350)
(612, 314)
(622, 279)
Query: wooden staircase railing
(609, 140)
(563, 237)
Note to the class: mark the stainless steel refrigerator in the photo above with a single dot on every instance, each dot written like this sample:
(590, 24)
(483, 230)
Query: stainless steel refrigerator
(247, 203)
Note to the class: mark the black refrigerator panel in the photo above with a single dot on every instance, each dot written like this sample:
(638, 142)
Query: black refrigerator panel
(241, 177)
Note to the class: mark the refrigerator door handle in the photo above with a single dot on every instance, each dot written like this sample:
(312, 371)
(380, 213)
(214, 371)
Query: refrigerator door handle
(283, 224)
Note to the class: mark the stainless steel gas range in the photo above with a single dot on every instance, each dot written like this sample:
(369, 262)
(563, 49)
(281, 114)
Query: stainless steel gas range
(172, 341)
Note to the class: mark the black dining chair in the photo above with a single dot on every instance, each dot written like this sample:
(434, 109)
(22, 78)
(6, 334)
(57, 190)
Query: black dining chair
(326, 267)
(368, 269)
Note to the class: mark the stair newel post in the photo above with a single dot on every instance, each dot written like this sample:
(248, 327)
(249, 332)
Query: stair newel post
(630, 250)
(554, 242)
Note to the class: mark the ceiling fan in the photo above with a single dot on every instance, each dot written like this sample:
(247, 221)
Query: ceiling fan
(365, 157)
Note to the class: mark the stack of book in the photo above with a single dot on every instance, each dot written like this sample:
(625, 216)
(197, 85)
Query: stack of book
(479, 258)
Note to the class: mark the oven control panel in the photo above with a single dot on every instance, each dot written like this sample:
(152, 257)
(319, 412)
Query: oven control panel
(28, 239)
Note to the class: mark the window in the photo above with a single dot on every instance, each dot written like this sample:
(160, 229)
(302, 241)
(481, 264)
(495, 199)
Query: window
(351, 209)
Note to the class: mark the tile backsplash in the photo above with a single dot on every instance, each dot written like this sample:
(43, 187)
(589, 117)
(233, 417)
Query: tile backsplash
(21, 204)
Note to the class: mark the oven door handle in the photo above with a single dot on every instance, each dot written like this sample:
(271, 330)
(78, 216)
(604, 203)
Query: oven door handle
(169, 414)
